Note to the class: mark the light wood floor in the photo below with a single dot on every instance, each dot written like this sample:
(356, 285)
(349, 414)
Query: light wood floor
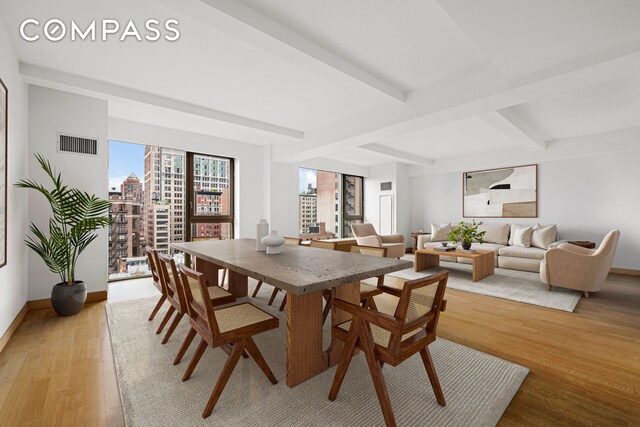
(585, 366)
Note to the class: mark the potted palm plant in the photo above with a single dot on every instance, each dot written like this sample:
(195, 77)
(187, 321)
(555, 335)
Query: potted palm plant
(466, 234)
(76, 216)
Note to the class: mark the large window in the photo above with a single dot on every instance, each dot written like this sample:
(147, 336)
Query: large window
(328, 204)
(150, 204)
(211, 214)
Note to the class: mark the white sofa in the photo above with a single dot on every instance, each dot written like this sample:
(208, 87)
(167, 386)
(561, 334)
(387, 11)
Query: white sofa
(498, 237)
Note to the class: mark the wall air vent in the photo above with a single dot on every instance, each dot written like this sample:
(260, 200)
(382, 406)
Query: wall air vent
(385, 186)
(76, 144)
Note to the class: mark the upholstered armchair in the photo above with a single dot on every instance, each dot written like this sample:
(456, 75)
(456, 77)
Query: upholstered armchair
(575, 267)
(366, 236)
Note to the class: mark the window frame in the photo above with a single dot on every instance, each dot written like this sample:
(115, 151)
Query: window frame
(191, 217)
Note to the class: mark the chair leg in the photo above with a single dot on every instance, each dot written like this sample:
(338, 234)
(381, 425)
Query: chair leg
(172, 327)
(224, 377)
(224, 277)
(166, 318)
(345, 359)
(548, 287)
(368, 347)
(433, 377)
(157, 307)
(273, 295)
(185, 346)
(228, 348)
(195, 359)
(586, 294)
(253, 350)
(283, 304)
(258, 286)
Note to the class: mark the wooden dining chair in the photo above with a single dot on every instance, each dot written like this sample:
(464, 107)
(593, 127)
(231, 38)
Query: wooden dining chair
(152, 255)
(295, 241)
(232, 326)
(176, 296)
(393, 338)
(367, 289)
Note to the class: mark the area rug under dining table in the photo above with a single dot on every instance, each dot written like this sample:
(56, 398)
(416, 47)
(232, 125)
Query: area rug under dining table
(478, 387)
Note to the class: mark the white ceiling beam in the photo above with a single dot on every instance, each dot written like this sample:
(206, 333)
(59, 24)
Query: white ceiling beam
(512, 126)
(256, 29)
(471, 93)
(37, 74)
(402, 156)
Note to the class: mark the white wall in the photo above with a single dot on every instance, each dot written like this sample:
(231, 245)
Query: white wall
(50, 112)
(13, 276)
(586, 197)
(248, 163)
(398, 175)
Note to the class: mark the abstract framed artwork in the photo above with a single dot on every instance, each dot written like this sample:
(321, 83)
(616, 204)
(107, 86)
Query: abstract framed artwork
(4, 122)
(501, 193)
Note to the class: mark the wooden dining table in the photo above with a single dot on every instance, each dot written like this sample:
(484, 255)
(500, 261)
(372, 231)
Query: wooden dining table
(303, 272)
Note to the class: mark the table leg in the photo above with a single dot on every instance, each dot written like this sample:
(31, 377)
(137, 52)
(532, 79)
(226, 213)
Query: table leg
(349, 293)
(483, 266)
(425, 261)
(305, 358)
(238, 284)
(209, 270)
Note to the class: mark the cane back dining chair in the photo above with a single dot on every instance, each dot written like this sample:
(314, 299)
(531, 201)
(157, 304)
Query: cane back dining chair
(393, 337)
(176, 295)
(367, 289)
(152, 255)
(232, 327)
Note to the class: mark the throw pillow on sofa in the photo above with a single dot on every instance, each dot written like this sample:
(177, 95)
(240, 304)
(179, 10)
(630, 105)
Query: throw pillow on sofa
(495, 233)
(543, 236)
(514, 227)
(439, 232)
(522, 237)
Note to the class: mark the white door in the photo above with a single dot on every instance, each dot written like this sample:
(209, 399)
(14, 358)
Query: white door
(386, 215)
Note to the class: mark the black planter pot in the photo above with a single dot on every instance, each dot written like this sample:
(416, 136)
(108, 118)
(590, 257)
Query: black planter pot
(466, 245)
(68, 300)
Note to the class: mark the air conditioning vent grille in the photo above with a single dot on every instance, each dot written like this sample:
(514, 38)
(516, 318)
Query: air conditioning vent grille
(75, 144)
(385, 186)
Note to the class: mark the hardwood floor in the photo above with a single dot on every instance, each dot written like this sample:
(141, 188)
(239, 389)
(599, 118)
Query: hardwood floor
(585, 366)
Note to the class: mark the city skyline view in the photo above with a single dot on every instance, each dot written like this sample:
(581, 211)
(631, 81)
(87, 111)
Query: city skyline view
(306, 177)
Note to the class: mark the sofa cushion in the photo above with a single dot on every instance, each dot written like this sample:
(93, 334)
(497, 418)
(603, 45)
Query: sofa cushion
(514, 227)
(520, 252)
(522, 237)
(543, 236)
(439, 232)
(495, 233)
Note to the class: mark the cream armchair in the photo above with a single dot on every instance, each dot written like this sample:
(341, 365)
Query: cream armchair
(366, 236)
(574, 267)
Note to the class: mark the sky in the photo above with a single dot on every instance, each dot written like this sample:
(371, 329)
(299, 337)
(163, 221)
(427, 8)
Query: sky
(307, 176)
(124, 159)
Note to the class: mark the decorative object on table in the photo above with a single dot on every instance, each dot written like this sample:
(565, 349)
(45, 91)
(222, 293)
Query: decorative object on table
(273, 242)
(262, 231)
(76, 217)
(414, 236)
(444, 248)
(4, 123)
(501, 193)
(445, 244)
(583, 243)
(466, 234)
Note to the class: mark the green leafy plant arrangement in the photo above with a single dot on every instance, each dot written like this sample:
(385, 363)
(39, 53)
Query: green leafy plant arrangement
(467, 233)
(76, 217)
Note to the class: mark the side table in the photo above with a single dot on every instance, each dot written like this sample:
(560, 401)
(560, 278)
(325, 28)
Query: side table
(414, 235)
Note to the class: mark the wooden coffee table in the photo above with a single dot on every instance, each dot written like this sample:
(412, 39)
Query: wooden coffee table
(482, 261)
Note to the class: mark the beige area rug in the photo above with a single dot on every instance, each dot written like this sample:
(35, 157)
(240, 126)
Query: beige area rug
(477, 387)
(514, 285)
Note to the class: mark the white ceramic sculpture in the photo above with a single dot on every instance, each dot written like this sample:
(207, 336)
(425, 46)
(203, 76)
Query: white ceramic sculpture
(273, 242)
(262, 231)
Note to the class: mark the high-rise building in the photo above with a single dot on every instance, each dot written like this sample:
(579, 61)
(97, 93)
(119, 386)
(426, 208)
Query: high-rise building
(164, 183)
(308, 209)
(131, 188)
(126, 236)
(328, 192)
(211, 181)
